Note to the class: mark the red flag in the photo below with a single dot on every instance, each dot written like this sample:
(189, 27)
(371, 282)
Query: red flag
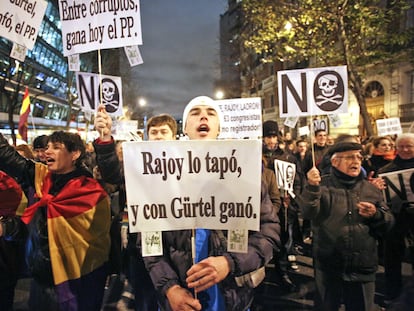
(24, 115)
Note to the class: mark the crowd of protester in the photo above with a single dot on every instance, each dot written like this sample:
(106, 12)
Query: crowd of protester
(63, 223)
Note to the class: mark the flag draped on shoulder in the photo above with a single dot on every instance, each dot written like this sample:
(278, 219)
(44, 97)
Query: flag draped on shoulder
(78, 221)
(24, 115)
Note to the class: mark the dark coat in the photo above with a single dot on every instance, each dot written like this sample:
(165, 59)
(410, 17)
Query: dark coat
(35, 233)
(269, 177)
(170, 269)
(345, 243)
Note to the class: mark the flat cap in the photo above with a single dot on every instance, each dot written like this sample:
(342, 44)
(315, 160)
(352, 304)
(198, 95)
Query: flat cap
(344, 146)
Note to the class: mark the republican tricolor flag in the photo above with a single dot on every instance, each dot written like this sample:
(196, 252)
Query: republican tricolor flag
(24, 115)
(78, 226)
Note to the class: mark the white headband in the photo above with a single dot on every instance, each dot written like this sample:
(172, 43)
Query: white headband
(201, 101)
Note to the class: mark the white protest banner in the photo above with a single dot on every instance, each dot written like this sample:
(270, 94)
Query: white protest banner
(74, 62)
(242, 118)
(291, 121)
(335, 120)
(400, 189)
(151, 243)
(390, 126)
(320, 124)
(313, 91)
(238, 241)
(91, 25)
(18, 52)
(285, 175)
(174, 185)
(125, 130)
(20, 20)
(304, 131)
(134, 55)
(89, 90)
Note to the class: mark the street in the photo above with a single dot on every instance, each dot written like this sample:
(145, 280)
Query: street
(270, 296)
(273, 297)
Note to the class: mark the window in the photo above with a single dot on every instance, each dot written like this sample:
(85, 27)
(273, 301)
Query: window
(374, 89)
(411, 91)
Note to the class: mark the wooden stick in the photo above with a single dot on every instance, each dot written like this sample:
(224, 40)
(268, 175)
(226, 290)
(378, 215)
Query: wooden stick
(312, 142)
(100, 82)
(193, 252)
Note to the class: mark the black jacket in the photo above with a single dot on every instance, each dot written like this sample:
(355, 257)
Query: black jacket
(170, 269)
(345, 243)
(37, 246)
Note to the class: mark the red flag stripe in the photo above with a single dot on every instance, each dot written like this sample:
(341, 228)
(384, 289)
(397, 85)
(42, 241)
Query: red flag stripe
(24, 115)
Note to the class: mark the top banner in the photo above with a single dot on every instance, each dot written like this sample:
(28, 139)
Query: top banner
(20, 20)
(91, 25)
(313, 91)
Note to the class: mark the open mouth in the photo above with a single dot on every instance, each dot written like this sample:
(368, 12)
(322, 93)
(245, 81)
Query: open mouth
(49, 160)
(354, 168)
(203, 128)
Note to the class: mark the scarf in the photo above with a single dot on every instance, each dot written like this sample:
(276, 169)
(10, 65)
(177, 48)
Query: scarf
(389, 155)
(346, 180)
(211, 299)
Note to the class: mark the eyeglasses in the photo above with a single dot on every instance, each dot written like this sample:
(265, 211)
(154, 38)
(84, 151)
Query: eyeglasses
(401, 147)
(357, 157)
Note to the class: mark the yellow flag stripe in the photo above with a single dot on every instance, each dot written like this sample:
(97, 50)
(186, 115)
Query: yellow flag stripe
(26, 103)
(79, 245)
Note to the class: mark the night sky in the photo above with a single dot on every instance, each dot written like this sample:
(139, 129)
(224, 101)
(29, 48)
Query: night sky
(180, 52)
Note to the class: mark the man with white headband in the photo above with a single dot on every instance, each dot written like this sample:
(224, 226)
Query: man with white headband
(201, 118)
(221, 280)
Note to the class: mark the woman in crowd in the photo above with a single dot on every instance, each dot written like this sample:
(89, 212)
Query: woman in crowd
(383, 153)
(68, 228)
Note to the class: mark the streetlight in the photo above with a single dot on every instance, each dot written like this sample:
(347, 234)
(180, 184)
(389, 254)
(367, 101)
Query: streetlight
(142, 102)
(219, 94)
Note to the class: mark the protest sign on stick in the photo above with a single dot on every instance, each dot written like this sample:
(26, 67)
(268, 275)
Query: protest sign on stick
(21, 20)
(96, 25)
(242, 118)
(399, 192)
(94, 88)
(174, 185)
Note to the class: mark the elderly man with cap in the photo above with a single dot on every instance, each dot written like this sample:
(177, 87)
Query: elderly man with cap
(222, 280)
(348, 215)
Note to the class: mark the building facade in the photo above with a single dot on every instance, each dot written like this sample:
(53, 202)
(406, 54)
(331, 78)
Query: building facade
(45, 73)
(389, 90)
